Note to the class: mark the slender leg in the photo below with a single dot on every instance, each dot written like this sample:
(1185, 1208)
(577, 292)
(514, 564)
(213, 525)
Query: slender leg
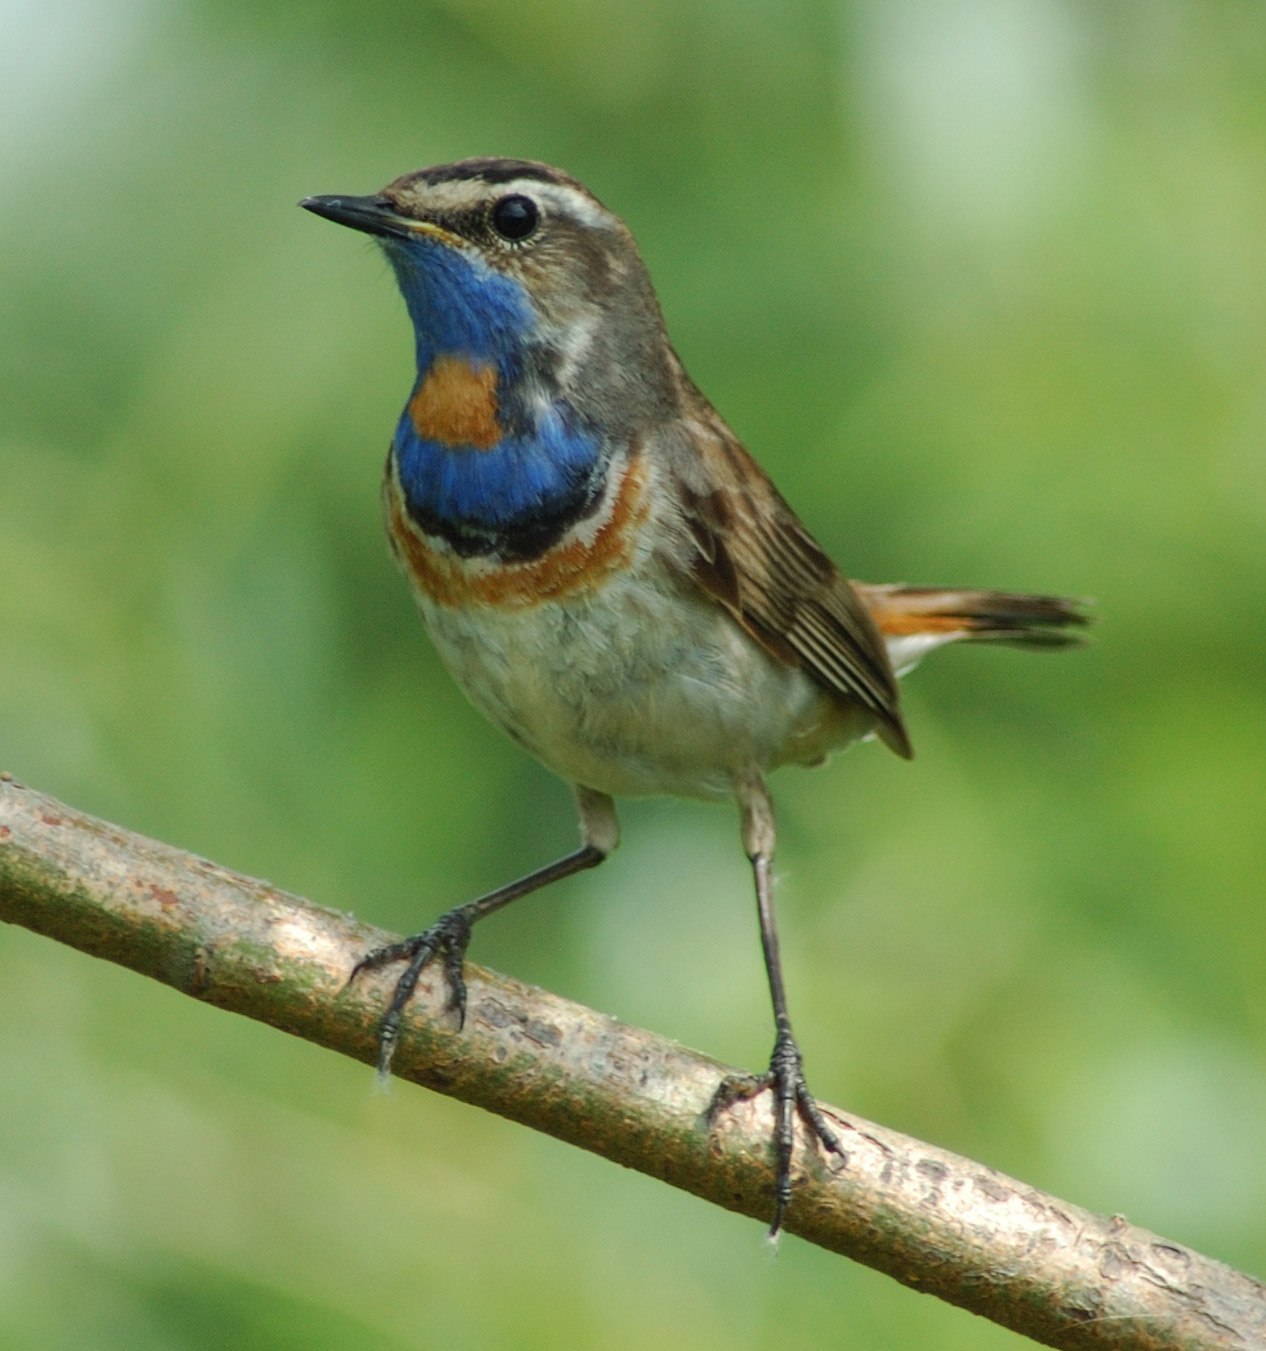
(785, 1076)
(449, 936)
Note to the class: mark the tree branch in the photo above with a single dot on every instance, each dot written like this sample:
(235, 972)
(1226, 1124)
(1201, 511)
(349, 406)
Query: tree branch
(942, 1224)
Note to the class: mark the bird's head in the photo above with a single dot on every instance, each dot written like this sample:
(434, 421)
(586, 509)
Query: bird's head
(510, 262)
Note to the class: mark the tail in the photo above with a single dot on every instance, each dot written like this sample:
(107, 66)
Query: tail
(916, 619)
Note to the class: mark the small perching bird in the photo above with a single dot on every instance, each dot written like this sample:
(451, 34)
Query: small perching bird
(608, 574)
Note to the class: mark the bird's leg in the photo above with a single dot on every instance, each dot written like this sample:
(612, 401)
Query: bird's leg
(449, 936)
(785, 1076)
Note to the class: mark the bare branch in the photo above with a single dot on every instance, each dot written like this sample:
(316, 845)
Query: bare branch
(937, 1222)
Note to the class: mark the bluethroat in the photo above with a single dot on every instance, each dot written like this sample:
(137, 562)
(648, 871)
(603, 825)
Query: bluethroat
(608, 574)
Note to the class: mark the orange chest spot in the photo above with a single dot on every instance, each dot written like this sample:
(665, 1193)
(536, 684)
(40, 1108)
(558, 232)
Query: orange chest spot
(572, 566)
(456, 404)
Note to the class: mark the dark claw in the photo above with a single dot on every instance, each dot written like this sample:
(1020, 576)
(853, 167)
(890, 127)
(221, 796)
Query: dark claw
(450, 935)
(785, 1077)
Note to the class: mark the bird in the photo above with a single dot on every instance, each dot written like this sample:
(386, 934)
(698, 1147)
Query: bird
(609, 575)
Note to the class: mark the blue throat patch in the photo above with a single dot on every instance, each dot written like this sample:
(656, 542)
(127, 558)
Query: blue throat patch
(518, 494)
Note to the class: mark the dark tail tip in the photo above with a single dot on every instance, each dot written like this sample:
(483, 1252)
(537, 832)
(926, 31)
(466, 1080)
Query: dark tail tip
(1027, 621)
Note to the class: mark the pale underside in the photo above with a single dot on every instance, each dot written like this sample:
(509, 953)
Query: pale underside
(634, 690)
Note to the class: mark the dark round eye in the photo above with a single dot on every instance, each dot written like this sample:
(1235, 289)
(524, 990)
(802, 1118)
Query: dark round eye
(515, 217)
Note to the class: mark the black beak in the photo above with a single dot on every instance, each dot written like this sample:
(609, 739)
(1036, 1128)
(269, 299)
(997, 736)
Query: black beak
(373, 215)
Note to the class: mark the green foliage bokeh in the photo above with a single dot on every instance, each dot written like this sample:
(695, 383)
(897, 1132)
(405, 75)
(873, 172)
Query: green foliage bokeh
(982, 284)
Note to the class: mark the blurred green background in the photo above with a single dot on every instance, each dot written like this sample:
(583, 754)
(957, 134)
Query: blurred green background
(983, 284)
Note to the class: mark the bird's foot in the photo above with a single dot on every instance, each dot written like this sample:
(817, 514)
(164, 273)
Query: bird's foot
(785, 1078)
(447, 938)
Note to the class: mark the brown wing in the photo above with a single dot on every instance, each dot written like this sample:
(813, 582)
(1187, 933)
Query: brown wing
(758, 560)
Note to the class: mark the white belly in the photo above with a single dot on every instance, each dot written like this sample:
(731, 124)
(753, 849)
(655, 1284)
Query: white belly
(629, 690)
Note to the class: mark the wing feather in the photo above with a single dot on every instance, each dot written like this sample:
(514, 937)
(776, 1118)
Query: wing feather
(755, 557)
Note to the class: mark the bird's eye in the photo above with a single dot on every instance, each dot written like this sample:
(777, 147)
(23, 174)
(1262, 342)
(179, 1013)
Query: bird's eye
(515, 217)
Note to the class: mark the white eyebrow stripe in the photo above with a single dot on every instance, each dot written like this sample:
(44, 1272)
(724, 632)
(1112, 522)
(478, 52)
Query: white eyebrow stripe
(457, 195)
(562, 199)
(567, 201)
